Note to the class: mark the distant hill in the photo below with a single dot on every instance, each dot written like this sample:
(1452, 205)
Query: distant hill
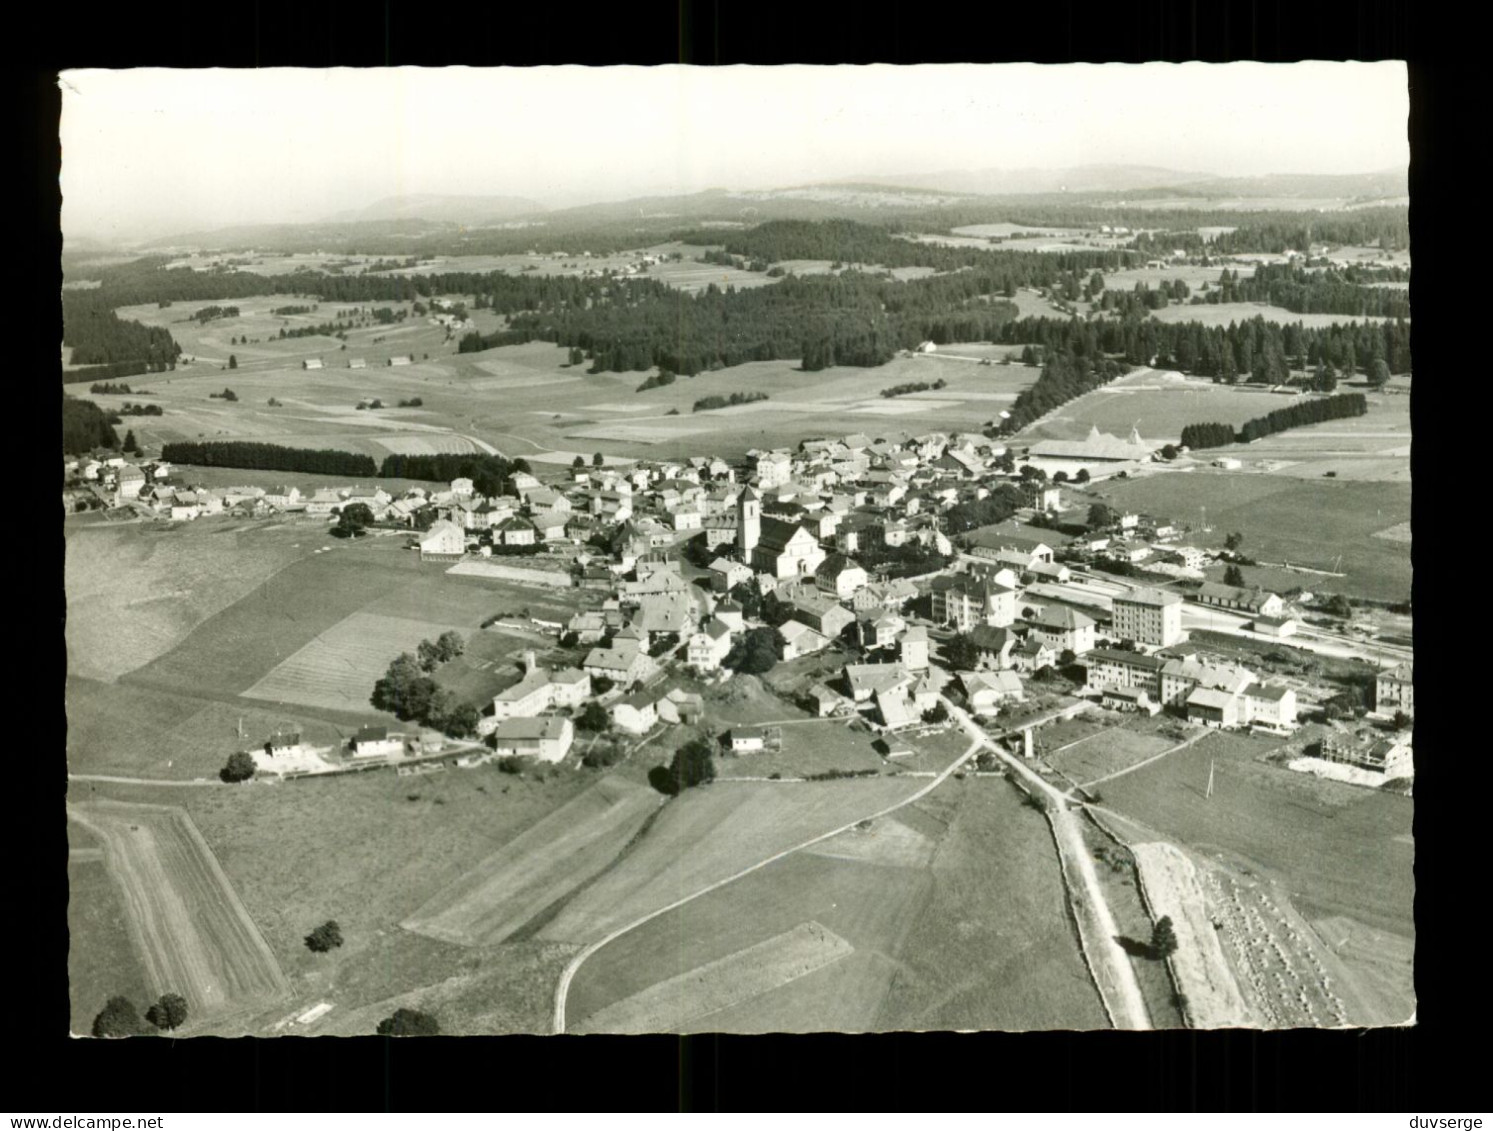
(1090, 179)
(472, 211)
(1023, 182)
(330, 234)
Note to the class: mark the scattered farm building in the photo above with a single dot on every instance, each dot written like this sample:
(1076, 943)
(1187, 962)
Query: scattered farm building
(545, 737)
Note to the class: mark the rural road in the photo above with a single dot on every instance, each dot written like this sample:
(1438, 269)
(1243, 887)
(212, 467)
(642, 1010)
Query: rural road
(1114, 977)
(563, 989)
(143, 781)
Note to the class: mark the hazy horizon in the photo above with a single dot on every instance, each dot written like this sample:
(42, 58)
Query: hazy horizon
(152, 152)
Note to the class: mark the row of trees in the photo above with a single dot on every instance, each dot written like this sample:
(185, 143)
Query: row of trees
(913, 387)
(268, 457)
(120, 1018)
(1297, 415)
(1063, 377)
(210, 313)
(704, 404)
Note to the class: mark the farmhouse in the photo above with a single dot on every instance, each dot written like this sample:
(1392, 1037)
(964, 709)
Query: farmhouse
(443, 541)
(376, 742)
(637, 713)
(1135, 700)
(623, 663)
(1394, 690)
(1148, 616)
(801, 640)
(985, 691)
(748, 740)
(541, 689)
(709, 646)
(546, 737)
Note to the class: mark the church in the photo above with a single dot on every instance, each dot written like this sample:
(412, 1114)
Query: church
(774, 545)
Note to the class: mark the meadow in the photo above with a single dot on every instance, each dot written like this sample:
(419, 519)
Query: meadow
(101, 959)
(191, 932)
(1308, 522)
(1223, 313)
(711, 833)
(952, 908)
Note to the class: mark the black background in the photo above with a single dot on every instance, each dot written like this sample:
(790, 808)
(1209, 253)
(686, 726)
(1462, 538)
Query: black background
(1425, 1068)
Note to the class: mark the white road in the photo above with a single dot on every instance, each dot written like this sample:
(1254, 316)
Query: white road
(1113, 975)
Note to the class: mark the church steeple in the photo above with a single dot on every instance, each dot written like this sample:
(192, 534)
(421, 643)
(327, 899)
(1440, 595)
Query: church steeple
(748, 522)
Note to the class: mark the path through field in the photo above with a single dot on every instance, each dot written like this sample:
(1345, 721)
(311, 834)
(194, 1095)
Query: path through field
(193, 934)
(568, 975)
(1096, 925)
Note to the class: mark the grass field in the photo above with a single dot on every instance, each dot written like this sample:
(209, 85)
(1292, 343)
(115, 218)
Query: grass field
(191, 932)
(1108, 752)
(1306, 522)
(338, 668)
(1338, 849)
(1223, 313)
(101, 959)
(134, 592)
(542, 866)
(713, 832)
(953, 907)
(811, 746)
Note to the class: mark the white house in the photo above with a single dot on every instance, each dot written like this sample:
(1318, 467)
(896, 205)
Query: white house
(443, 540)
(545, 737)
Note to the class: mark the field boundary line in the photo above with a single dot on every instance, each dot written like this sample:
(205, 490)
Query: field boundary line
(1146, 762)
(568, 974)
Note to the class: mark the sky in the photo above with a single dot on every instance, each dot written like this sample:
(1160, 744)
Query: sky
(156, 151)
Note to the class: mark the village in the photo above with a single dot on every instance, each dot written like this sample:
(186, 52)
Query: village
(883, 574)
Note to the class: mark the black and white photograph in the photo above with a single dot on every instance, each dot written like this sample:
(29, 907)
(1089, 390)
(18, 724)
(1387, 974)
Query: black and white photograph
(737, 550)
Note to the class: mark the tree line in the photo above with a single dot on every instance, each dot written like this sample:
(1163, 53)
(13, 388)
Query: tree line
(1064, 376)
(256, 456)
(98, 336)
(1314, 411)
(1318, 291)
(704, 404)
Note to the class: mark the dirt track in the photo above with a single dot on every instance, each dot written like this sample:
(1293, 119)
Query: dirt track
(1172, 888)
(194, 936)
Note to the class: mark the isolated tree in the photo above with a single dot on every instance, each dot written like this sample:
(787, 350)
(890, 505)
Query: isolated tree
(1378, 373)
(1233, 576)
(1163, 938)
(354, 519)
(961, 653)
(937, 713)
(118, 1018)
(1401, 720)
(1082, 476)
(326, 937)
(409, 1023)
(129, 442)
(1060, 477)
(1100, 516)
(594, 718)
(756, 652)
(578, 462)
(240, 767)
(693, 764)
(232, 361)
(1169, 451)
(169, 1012)
(1233, 542)
(598, 460)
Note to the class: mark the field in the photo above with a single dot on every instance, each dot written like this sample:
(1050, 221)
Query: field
(1306, 522)
(952, 911)
(191, 932)
(1222, 313)
(134, 592)
(1339, 850)
(711, 833)
(540, 867)
(101, 959)
(303, 649)
(338, 668)
(1108, 752)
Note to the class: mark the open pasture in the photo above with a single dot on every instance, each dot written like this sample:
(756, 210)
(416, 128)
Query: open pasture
(1306, 522)
(135, 592)
(1108, 752)
(101, 960)
(338, 668)
(1338, 849)
(1193, 275)
(191, 933)
(232, 650)
(954, 908)
(364, 849)
(676, 1002)
(1223, 313)
(539, 867)
(711, 833)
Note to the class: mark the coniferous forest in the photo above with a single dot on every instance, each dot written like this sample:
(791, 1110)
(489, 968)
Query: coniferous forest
(1297, 415)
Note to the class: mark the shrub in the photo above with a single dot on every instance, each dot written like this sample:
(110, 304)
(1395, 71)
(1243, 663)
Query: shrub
(326, 937)
(511, 764)
(409, 1023)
